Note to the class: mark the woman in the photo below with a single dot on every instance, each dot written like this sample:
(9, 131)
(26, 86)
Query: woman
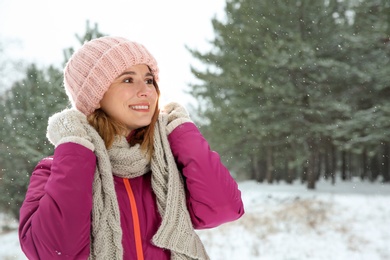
(126, 181)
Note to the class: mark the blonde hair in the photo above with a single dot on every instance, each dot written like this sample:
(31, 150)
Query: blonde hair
(108, 128)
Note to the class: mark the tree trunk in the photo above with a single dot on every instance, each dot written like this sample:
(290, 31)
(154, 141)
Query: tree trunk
(386, 162)
(350, 169)
(333, 163)
(258, 168)
(327, 167)
(312, 164)
(255, 171)
(270, 166)
(375, 168)
(364, 174)
(311, 173)
(262, 164)
(320, 157)
(343, 165)
(290, 171)
(305, 168)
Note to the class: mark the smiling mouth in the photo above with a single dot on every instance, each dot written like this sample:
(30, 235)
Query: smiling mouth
(140, 107)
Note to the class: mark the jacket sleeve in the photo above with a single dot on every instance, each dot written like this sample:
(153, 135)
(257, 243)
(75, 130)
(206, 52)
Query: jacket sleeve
(213, 197)
(55, 216)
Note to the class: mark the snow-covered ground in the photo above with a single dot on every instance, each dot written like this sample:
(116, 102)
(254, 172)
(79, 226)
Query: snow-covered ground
(350, 220)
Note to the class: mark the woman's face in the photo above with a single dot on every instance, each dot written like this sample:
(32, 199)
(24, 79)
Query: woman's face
(131, 98)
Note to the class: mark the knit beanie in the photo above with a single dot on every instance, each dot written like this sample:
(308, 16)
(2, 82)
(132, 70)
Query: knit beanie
(91, 70)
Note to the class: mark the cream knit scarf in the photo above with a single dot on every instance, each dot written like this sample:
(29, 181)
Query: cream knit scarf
(176, 232)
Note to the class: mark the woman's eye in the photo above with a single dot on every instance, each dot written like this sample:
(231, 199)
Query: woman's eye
(149, 81)
(128, 80)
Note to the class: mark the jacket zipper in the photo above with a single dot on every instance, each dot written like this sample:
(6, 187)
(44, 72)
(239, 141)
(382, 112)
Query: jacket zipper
(134, 213)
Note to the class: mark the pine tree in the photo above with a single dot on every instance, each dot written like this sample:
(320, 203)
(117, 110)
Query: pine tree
(25, 109)
(279, 77)
(369, 55)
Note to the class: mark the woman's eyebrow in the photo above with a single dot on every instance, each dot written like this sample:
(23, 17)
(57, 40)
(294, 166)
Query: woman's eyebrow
(133, 73)
(126, 73)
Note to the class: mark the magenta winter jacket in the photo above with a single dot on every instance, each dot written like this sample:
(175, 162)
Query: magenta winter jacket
(55, 218)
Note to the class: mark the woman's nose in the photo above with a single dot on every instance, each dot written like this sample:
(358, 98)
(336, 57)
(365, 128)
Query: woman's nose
(144, 89)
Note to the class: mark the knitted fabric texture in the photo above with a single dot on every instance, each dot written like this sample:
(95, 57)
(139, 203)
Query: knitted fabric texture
(176, 232)
(62, 129)
(177, 115)
(91, 70)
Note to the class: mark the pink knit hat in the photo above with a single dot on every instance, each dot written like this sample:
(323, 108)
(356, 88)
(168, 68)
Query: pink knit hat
(91, 70)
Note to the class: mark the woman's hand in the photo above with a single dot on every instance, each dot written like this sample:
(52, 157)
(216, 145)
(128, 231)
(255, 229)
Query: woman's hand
(177, 115)
(69, 125)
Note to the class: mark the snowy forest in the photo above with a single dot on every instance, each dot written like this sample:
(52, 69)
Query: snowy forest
(290, 91)
(299, 90)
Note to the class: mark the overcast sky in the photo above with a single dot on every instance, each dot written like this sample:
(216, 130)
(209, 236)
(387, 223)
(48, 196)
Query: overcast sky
(39, 30)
